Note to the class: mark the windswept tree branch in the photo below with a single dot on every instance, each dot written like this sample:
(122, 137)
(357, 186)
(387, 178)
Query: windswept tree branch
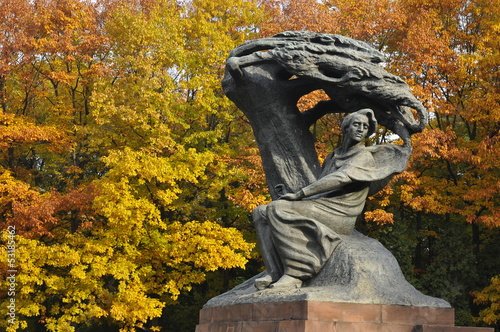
(266, 77)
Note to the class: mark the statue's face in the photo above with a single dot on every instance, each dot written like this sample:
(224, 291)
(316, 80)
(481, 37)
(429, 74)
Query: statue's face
(358, 128)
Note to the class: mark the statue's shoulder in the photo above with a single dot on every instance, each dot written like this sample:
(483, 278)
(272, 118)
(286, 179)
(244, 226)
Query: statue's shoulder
(390, 154)
(357, 153)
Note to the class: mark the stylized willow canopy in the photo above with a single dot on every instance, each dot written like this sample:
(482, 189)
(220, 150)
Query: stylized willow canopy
(266, 78)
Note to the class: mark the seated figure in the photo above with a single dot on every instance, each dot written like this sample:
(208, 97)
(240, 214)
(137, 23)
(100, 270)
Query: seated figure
(298, 232)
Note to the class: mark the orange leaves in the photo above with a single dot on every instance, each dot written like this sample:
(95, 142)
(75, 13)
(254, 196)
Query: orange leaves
(379, 217)
(245, 181)
(248, 199)
(49, 29)
(372, 21)
(65, 26)
(311, 99)
(15, 16)
(20, 130)
(452, 175)
(436, 143)
(458, 159)
(37, 214)
(297, 15)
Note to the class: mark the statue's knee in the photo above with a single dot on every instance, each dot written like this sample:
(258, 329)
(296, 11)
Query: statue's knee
(277, 205)
(259, 214)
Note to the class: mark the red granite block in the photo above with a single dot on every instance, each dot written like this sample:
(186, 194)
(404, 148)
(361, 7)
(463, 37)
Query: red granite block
(203, 327)
(417, 315)
(218, 327)
(320, 326)
(227, 327)
(260, 326)
(371, 327)
(291, 326)
(305, 316)
(300, 310)
(205, 315)
(349, 312)
(233, 313)
(272, 311)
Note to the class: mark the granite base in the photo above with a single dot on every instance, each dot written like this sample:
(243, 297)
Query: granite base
(307, 316)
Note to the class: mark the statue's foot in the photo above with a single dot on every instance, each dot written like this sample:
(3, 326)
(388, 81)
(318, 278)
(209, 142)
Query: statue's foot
(287, 282)
(263, 282)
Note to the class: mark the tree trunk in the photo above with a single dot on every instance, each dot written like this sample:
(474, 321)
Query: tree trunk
(286, 145)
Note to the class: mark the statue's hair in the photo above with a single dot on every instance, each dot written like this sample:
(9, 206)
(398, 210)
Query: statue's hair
(365, 111)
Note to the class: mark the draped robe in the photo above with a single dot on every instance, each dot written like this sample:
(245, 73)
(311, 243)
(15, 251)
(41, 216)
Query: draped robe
(298, 237)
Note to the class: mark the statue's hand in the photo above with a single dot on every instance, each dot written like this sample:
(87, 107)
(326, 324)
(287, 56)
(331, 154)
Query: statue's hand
(234, 68)
(293, 196)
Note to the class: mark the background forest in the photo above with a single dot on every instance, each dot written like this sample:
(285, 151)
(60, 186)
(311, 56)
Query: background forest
(129, 177)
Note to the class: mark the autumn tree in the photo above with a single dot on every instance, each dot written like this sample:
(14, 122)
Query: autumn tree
(122, 164)
(451, 55)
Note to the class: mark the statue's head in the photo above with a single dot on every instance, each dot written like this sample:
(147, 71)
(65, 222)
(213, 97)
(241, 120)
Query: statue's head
(366, 112)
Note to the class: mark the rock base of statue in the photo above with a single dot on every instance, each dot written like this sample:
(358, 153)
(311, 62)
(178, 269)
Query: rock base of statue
(360, 270)
(308, 316)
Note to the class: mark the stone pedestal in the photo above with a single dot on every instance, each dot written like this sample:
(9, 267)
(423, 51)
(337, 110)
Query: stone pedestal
(308, 316)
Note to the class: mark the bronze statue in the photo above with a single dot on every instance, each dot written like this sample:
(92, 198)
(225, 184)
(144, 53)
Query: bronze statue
(306, 235)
